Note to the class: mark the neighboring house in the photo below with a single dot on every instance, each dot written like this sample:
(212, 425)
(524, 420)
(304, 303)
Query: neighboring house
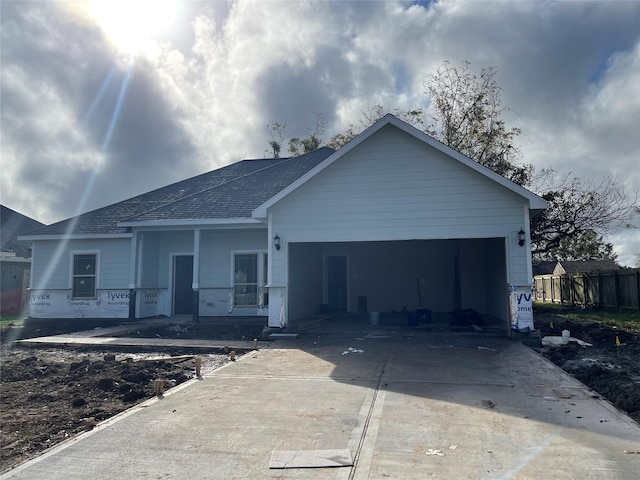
(587, 282)
(584, 266)
(285, 238)
(543, 268)
(15, 260)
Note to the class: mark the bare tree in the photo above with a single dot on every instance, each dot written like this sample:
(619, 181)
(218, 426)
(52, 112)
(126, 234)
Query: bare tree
(298, 146)
(278, 133)
(371, 115)
(467, 116)
(577, 208)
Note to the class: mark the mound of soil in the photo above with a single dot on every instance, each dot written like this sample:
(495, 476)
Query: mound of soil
(49, 395)
(610, 369)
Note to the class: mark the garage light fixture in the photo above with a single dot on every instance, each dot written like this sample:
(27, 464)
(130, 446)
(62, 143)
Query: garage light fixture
(276, 242)
(521, 237)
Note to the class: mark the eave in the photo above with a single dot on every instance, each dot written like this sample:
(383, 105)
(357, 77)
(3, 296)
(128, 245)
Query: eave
(191, 223)
(75, 236)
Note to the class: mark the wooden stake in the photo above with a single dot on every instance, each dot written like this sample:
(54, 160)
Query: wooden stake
(159, 387)
(198, 366)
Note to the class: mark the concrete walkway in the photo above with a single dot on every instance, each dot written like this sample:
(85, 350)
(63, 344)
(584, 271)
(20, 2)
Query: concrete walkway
(115, 337)
(406, 403)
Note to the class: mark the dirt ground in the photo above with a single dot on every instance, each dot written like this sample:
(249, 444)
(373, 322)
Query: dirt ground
(610, 369)
(48, 395)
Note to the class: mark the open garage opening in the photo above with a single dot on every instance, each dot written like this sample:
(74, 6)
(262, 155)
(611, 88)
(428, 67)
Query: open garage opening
(441, 276)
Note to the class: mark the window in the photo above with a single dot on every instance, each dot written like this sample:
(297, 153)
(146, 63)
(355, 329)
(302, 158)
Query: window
(84, 275)
(245, 280)
(249, 279)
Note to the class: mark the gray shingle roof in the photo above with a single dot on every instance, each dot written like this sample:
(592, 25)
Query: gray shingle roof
(585, 266)
(233, 191)
(13, 224)
(544, 268)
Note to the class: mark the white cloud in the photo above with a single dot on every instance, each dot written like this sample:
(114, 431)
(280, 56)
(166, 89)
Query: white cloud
(202, 93)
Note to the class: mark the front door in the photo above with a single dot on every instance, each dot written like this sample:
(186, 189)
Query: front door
(337, 283)
(182, 284)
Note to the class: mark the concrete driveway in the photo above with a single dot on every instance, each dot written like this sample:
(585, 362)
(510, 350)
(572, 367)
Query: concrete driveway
(406, 403)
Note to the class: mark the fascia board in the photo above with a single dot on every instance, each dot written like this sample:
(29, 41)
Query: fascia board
(190, 223)
(14, 260)
(535, 202)
(74, 236)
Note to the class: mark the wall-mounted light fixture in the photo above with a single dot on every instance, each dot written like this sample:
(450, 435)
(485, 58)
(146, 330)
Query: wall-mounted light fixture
(521, 237)
(276, 242)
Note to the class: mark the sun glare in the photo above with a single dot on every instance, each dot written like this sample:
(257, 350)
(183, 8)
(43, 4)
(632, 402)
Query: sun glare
(131, 24)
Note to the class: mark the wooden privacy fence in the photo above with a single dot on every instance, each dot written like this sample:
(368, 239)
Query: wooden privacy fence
(610, 288)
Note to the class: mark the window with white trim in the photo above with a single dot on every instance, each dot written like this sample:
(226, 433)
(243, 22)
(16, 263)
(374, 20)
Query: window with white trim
(83, 283)
(249, 279)
(245, 279)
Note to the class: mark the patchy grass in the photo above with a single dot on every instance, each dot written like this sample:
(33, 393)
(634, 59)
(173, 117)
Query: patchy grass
(8, 320)
(624, 319)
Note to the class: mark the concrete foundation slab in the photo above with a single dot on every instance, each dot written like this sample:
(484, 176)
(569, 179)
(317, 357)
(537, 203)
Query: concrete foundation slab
(310, 459)
(412, 405)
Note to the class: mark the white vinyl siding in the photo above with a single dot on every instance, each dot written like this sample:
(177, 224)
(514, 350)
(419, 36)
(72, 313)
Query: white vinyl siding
(52, 266)
(49, 269)
(157, 248)
(215, 248)
(115, 263)
(394, 187)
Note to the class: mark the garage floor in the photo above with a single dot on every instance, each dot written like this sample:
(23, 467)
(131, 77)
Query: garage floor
(405, 402)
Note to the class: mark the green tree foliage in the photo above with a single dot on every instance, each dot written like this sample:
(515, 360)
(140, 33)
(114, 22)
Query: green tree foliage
(587, 245)
(297, 146)
(278, 133)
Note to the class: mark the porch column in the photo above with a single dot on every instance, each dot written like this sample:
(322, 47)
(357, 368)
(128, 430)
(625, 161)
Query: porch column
(133, 262)
(196, 275)
(277, 279)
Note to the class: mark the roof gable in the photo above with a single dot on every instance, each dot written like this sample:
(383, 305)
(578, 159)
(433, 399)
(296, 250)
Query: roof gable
(534, 201)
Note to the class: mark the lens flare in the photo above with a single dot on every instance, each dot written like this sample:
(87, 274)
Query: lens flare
(131, 24)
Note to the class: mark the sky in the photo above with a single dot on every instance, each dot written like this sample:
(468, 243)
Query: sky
(103, 100)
